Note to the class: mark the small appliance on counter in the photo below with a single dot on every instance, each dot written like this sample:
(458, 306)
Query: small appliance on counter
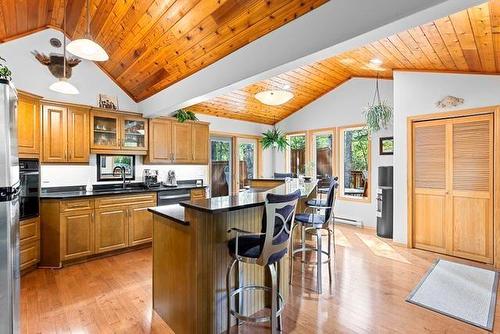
(150, 178)
(171, 180)
(384, 202)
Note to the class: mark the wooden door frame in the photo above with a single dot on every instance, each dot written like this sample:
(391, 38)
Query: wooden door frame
(495, 111)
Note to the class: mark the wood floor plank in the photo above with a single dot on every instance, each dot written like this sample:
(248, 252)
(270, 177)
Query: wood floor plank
(372, 278)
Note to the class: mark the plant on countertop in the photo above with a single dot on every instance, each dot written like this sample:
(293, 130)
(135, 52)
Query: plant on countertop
(185, 115)
(378, 114)
(5, 73)
(274, 139)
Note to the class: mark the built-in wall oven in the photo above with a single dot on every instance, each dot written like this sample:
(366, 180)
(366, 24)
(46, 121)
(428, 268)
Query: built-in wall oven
(29, 198)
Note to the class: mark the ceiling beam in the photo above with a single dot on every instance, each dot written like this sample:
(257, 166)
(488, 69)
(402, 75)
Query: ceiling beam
(335, 27)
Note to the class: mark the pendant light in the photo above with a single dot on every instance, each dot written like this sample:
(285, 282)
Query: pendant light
(85, 47)
(62, 85)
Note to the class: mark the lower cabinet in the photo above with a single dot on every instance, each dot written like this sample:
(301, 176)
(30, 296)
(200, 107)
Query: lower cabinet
(111, 229)
(77, 234)
(29, 243)
(75, 229)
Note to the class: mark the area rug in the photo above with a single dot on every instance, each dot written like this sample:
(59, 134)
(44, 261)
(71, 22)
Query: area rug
(459, 291)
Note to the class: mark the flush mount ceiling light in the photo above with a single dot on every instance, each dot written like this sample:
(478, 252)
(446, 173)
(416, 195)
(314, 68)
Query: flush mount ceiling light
(85, 47)
(62, 85)
(274, 97)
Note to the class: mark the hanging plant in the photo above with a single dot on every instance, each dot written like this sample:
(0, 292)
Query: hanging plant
(5, 73)
(378, 114)
(274, 139)
(183, 115)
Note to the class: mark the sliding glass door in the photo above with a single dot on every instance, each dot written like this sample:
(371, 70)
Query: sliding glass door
(221, 149)
(247, 161)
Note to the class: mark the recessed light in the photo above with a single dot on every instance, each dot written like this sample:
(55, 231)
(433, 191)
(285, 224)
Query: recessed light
(286, 87)
(376, 61)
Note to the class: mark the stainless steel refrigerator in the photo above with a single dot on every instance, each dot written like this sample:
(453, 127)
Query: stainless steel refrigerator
(9, 211)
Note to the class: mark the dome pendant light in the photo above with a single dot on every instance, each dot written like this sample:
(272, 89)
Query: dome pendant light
(62, 85)
(85, 47)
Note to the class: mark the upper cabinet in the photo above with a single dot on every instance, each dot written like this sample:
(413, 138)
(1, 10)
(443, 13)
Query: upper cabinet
(114, 132)
(28, 126)
(65, 133)
(172, 142)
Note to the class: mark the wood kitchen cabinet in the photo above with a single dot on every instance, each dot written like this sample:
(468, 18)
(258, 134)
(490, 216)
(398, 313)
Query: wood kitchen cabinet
(28, 125)
(78, 229)
(77, 234)
(65, 133)
(118, 133)
(111, 229)
(29, 243)
(171, 142)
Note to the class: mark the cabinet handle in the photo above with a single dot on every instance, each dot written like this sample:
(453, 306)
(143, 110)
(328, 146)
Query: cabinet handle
(92, 216)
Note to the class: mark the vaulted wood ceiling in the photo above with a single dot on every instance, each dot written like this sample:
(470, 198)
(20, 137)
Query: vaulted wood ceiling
(468, 41)
(155, 43)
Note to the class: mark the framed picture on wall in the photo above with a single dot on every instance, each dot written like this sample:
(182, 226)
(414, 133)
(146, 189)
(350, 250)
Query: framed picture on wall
(108, 102)
(386, 145)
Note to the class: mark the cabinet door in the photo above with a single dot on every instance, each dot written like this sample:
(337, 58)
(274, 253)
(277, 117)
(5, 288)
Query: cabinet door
(28, 126)
(77, 234)
(29, 254)
(105, 130)
(200, 143)
(111, 229)
(78, 135)
(160, 141)
(431, 228)
(182, 142)
(140, 225)
(134, 134)
(54, 134)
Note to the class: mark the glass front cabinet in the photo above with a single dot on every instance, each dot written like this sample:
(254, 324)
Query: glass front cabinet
(113, 131)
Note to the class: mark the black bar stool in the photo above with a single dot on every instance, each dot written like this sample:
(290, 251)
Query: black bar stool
(265, 249)
(316, 223)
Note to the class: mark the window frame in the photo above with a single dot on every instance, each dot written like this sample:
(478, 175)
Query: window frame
(288, 168)
(340, 164)
(312, 145)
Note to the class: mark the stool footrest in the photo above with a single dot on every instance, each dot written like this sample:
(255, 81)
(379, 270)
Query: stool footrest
(311, 249)
(246, 318)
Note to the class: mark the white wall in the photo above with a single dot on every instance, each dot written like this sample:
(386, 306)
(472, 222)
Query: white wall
(33, 77)
(57, 175)
(416, 94)
(344, 106)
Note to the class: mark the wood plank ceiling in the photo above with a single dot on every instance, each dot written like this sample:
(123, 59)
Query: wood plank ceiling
(155, 43)
(468, 41)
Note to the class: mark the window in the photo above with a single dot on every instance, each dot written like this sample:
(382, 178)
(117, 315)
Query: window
(107, 163)
(221, 166)
(323, 158)
(247, 168)
(296, 154)
(355, 162)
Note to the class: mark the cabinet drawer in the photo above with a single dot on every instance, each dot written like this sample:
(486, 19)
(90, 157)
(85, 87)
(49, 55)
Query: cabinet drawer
(29, 230)
(29, 254)
(76, 205)
(198, 193)
(142, 199)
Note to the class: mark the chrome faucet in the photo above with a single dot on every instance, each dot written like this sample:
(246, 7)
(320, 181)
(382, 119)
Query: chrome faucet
(122, 173)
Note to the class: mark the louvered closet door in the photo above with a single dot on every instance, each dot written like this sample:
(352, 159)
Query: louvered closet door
(472, 184)
(430, 227)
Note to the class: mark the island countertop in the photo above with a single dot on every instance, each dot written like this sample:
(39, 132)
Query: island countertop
(249, 198)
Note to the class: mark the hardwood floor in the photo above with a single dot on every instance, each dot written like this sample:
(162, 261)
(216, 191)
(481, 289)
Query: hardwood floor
(372, 278)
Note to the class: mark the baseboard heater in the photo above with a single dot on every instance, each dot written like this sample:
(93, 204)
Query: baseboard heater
(349, 221)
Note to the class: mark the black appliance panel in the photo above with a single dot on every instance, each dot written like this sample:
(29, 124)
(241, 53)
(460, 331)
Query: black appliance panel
(29, 197)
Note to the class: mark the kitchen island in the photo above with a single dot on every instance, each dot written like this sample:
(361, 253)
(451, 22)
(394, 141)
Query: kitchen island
(190, 257)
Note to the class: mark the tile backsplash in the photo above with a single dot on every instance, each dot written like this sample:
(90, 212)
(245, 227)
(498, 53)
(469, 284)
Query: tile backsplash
(57, 175)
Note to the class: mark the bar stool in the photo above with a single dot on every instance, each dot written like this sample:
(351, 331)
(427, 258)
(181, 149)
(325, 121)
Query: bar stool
(316, 223)
(264, 249)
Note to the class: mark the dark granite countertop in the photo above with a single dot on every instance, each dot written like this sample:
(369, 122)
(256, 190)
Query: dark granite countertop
(173, 211)
(115, 189)
(249, 198)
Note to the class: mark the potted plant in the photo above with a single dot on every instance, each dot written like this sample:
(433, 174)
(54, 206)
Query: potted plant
(5, 73)
(185, 115)
(378, 114)
(274, 139)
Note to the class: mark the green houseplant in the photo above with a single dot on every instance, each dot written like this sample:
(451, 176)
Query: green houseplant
(378, 114)
(274, 139)
(5, 73)
(185, 115)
